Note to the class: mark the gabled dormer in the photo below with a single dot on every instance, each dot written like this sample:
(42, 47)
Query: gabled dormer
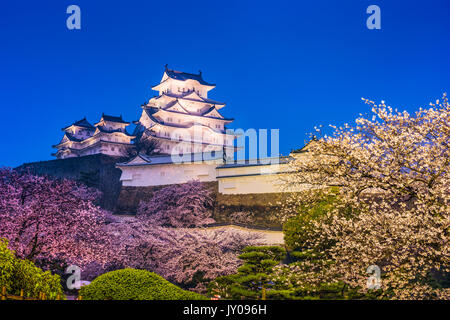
(67, 139)
(176, 106)
(178, 82)
(212, 112)
(112, 122)
(80, 129)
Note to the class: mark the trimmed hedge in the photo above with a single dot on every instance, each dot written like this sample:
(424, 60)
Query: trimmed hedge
(133, 284)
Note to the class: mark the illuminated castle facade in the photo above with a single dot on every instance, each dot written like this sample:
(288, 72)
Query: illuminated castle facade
(182, 118)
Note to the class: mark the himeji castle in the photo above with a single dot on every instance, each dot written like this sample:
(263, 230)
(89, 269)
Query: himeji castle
(190, 141)
(182, 119)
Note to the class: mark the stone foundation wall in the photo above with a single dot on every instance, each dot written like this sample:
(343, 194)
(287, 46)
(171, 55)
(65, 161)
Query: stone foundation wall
(97, 171)
(129, 197)
(262, 205)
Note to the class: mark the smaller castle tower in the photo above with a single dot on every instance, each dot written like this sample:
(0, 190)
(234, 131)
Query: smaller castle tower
(108, 136)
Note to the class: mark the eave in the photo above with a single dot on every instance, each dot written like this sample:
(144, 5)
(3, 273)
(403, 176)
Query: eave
(203, 116)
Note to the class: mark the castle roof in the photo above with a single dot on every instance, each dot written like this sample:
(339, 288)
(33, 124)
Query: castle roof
(210, 110)
(70, 137)
(183, 76)
(306, 147)
(151, 111)
(142, 159)
(81, 123)
(256, 162)
(195, 97)
(203, 115)
(109, 118)
(209, 113)
(104, 130)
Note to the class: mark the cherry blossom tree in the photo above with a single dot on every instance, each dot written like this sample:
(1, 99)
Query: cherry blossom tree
(48, 220)
(188, 257)
(392, 173)
(181, 205)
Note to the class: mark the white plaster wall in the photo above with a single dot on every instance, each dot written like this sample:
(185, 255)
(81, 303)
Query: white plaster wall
(184, 119)
(251, 184)
(256, 184)
(267, 236)
(255, 179)
(172, 85)
(81, 133)
(256, 169)
(234, 180)
(114, 125)
(154, 175)
(112, 150)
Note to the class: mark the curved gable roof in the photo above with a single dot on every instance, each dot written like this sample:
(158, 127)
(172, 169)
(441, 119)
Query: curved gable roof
(183, 76)
(109, 118)
(103, 130)
(176, 105)
(83, 123)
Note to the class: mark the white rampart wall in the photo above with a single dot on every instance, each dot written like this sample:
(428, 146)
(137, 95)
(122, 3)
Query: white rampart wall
(164, 174)
(234, 180)
(254, 179)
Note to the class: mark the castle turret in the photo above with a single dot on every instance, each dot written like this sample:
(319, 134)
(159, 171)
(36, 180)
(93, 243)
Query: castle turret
(108, 136)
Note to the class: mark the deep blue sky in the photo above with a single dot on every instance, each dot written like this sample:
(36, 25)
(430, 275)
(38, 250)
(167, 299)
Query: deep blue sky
(277, 64)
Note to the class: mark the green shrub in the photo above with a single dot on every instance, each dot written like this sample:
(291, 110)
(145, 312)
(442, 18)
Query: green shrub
(17, 275)
(132, 284)
(7, 265)
(252, 281)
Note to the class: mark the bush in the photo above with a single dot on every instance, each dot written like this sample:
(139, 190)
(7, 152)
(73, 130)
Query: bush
(17, 275)
(133, 284)
(252, 281)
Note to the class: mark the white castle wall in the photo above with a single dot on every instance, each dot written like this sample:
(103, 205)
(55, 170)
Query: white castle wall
(231, 180)
(165, 174)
